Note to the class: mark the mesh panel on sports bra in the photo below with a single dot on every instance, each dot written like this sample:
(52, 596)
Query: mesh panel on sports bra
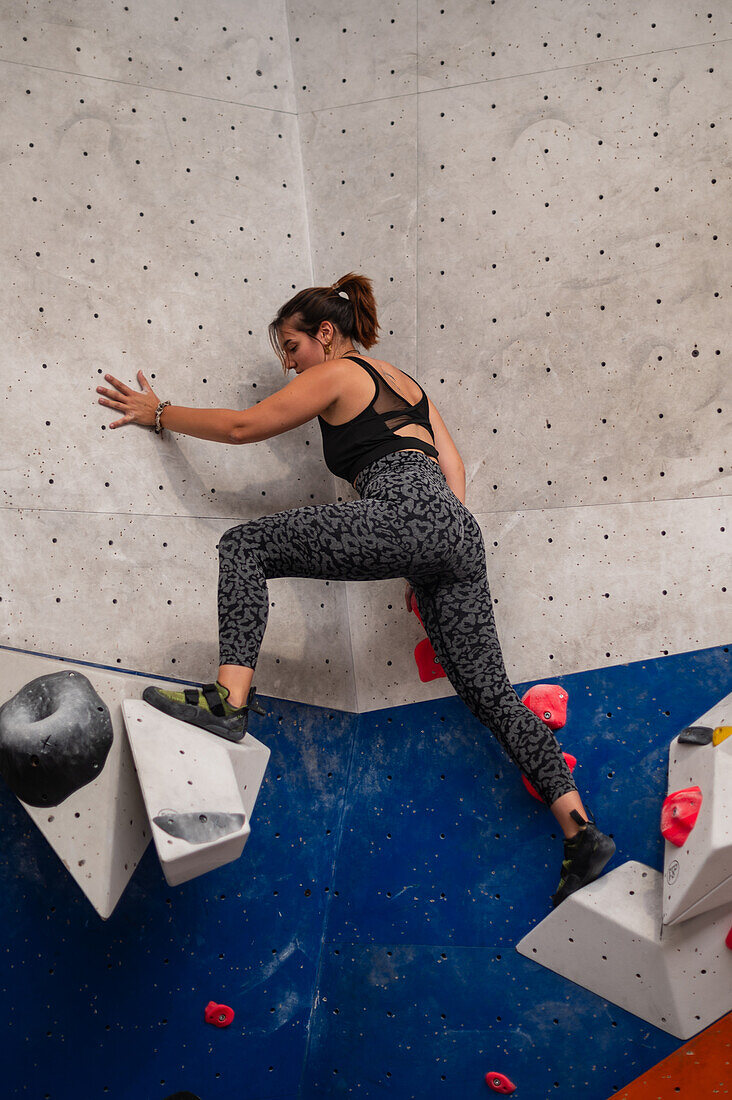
(371, 434)
(395, 410)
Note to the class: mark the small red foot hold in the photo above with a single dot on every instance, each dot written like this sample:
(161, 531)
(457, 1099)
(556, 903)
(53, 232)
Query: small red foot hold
(499, 1083)
(571, 764)
(415, 609)
(428, 665)
(679, 813)
(219, 1015)
(548, 702)
(728, 941)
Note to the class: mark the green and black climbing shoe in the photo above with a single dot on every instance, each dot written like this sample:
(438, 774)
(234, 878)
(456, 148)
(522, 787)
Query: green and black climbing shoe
(207, 707)
(585, 855)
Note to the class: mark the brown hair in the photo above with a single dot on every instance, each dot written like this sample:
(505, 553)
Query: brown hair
(354, 317)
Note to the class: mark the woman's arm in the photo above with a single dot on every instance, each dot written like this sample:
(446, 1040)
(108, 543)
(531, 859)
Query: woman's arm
(455, 478)
(139, 408)
(214, 424)
(300, 400)
(305, 397)
(308, 395)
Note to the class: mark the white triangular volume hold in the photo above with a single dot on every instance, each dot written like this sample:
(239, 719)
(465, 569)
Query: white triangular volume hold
(698, 875)
(199, 789)
(100, 831)
(608, 937)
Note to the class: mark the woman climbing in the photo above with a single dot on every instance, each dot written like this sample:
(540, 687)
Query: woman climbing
(384, 436)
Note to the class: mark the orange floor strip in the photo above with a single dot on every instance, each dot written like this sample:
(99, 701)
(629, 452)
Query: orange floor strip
(700, 1069)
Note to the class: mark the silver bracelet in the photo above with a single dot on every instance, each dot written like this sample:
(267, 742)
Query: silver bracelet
(158, 413)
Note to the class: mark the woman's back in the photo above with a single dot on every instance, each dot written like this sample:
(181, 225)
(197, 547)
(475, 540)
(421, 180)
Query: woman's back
(358, 392)
(372, 416)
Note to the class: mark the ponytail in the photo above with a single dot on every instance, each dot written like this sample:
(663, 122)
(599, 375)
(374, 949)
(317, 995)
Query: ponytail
(354, 316)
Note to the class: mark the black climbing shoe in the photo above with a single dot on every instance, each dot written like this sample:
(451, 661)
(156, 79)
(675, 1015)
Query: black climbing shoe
(207, 707)
(585, 855)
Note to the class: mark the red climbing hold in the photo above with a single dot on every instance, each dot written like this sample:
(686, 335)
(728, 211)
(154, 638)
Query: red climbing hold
(219, 1015)
(548, 702)
(427, 663)
(728, 941)
(571, 764)
(415, 609)
(679, 813)
(499, 1083)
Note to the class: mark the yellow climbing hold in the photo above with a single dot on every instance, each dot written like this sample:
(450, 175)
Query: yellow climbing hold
(721, 734)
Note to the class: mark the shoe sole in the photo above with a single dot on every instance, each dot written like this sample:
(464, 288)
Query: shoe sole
(603, 855)
(193, 716)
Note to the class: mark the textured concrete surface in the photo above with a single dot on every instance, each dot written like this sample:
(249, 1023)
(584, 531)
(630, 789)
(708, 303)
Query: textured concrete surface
(540, 199)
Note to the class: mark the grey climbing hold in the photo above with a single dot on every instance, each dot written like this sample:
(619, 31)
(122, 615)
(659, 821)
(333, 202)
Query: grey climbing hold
(696, 735)
(198, 828)
(55, 736)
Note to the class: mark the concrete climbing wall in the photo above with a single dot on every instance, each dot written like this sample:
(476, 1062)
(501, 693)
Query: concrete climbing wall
(155, 219)
(540, 197)
(551, 177)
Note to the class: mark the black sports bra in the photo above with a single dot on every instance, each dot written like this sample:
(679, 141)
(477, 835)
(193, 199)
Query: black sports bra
(349, 447)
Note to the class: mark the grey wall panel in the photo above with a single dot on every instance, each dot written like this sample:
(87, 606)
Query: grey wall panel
(583, 588)
(572, 277)
(143, 242)
(351, 53)
(139, 592)
(183, 292)
(472, 41)
(235, 52)
(362, 196)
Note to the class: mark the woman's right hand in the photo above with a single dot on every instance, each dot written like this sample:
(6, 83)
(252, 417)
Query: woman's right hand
(408, 596)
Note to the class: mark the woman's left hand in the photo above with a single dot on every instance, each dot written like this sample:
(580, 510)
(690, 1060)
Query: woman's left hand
(139, 408)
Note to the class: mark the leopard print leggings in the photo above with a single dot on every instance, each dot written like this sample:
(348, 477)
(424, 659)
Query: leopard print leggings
(408, 523)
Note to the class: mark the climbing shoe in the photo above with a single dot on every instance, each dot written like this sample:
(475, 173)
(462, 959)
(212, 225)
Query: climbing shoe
(207, 707)
(585, 855)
